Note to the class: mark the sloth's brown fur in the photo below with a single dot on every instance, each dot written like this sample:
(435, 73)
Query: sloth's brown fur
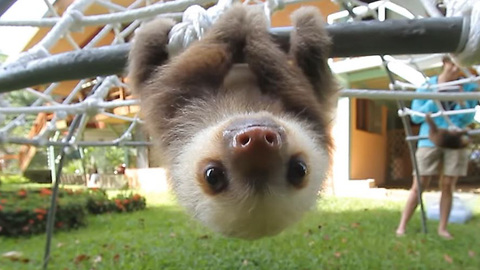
(443, 138)
(204, 85)
(304, 88)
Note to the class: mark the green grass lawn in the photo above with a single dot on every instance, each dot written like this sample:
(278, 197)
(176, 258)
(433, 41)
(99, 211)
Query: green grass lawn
(344, 233)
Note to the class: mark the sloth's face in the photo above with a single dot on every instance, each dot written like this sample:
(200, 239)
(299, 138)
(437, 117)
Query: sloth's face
(252, 175)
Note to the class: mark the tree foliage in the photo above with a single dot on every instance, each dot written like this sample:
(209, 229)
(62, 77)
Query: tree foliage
(101, 159)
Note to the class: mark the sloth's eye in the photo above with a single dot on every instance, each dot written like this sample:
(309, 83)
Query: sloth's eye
(297, 169)
(216, 178)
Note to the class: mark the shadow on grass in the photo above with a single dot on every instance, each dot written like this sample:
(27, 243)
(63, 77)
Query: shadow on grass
(342, 234)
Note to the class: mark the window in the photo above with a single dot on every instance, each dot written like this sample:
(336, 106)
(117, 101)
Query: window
(369, 116)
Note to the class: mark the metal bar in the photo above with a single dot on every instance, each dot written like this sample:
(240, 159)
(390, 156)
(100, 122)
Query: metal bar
(129, 29)
(7, 128)
(358, 93)
(16, 140)
(145, 12)
(68, 108)
(68, 36)
(44, 22)
(50, 126)
(121, 117)
(5, 5)
(73, 65)
(53, 203)
(393, 37)
(407, 111)
(127, 133)
(80, 128)
(412, 148)
(405, 85)
(64, 24)
(108, 27)
(117, 17)
(41, 96)
(408, 95)
(429, 35)
(403, 36)
(50, 22)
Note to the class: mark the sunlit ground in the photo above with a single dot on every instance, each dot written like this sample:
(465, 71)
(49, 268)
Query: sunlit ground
(344, 233)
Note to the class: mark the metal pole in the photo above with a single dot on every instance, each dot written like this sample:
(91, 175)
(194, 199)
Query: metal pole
(412, 149)
(53, 203)
(429, 35)
(5, 5)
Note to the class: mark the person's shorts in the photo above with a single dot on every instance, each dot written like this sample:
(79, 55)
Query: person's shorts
(437, 161)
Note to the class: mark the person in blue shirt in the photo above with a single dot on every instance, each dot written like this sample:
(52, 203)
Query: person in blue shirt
(434, 161)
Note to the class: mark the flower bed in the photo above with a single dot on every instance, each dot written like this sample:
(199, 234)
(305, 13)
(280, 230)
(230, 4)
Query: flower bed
(24, 212)
(99, 202)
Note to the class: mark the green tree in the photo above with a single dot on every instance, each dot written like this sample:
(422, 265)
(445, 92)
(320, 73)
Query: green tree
(104, 159)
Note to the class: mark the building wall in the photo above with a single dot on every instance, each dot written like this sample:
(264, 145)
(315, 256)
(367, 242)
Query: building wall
(368, 156)
(341, 137)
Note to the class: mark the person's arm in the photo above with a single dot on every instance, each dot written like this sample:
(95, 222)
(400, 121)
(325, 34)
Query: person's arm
(466, 118)
(423, 106)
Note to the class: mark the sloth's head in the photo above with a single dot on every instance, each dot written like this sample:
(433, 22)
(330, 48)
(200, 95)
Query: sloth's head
(251, 175)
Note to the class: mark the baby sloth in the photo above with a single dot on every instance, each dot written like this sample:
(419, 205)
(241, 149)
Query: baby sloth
(451, 139)
(242, 126)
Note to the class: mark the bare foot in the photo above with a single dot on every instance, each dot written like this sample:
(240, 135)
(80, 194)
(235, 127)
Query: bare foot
(445, 234)
(400, 232)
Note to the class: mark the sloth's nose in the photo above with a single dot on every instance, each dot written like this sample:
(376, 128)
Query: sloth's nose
(257, 138)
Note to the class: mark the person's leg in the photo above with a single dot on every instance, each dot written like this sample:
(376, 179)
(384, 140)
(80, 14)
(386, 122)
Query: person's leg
(428, 161)
(455, 165)
(412, 202)
(447, 185)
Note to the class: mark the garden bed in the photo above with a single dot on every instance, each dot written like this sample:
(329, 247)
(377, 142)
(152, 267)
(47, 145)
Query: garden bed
(24, 211)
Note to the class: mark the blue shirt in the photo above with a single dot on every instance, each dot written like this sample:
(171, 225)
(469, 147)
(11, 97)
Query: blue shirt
(429, 106)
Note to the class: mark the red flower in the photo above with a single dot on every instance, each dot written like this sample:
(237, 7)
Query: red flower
(22, 193)
(40, 211)
(59, 224)
(45, 191)
(40, 217)
(31, 221)
(3, 201)
(1, 207)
